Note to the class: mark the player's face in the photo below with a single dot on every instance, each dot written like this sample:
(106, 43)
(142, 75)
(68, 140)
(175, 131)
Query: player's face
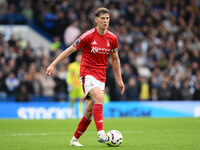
(103, 21)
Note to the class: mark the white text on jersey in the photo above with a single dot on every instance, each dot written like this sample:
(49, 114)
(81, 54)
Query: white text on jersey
(100, 50)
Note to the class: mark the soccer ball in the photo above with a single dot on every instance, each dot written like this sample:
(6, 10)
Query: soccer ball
(114, 138)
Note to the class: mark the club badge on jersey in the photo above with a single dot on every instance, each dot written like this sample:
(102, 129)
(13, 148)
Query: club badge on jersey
(108, 43)
(77, 42)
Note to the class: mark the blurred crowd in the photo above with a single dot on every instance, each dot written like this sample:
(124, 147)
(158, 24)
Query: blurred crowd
(159, 48)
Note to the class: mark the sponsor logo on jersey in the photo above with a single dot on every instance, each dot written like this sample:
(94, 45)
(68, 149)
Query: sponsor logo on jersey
(94, 43)
(94, 50)
(100, 50)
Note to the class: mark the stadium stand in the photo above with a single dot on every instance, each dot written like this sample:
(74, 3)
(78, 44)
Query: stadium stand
(159, 48)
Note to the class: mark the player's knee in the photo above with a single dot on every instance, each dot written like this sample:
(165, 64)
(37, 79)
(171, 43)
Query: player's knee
(99, 99)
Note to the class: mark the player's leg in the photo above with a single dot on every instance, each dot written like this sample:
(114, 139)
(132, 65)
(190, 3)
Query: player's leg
(98, 97)
(84, 123)
(89, 104)
(94, 106)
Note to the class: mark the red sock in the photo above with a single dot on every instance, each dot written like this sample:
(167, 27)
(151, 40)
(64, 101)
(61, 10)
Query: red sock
(98, 116)
(82, 126)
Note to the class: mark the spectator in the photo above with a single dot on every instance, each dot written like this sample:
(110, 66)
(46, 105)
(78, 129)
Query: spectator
(60, 88)
(28, 12)
(132, 90)
(49, 19)
(37, 86)
(3, 87)
(56, 46)
(126, 73)
(175, 92)
(197, 92)
(48, 84)
(12, 83)
(60, 23)
(3, 6)
(23, 94)
(154, 94)
(145, 89)
(164, 92)
(71, 33)
(33, 81)
(185, 92)
(12, 41)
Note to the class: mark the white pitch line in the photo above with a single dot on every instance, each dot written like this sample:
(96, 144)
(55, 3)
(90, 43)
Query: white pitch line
(66, 133)
(57, 133)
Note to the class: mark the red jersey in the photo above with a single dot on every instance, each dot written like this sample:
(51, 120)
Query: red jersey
(95, 51)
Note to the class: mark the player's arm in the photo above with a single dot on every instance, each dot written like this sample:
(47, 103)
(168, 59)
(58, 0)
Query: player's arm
(62, 56)
(116, 67)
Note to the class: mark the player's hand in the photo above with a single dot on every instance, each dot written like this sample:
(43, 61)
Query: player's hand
(49, 70)
(121, 86)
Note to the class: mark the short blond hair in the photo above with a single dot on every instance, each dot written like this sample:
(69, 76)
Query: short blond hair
(102, 10)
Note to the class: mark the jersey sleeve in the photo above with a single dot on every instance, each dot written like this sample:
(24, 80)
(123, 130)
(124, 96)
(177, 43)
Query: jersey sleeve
(114, 45)
(81, 41)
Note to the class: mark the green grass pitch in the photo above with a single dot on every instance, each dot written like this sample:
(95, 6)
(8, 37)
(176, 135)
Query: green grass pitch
(138, 134)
